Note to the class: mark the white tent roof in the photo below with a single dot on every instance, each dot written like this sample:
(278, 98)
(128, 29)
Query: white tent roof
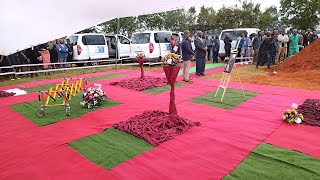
(32, 22)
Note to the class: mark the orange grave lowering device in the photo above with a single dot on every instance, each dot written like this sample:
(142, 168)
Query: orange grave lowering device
(66, 90)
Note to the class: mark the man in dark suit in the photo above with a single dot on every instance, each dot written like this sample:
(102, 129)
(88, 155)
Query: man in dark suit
(201, 50)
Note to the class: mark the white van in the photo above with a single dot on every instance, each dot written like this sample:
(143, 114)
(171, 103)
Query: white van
(124, 45)
(154, 44)
(234, 35)
(89, 46)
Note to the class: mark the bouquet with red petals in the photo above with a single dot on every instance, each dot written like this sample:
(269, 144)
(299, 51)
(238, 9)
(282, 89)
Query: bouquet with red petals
(93, 97)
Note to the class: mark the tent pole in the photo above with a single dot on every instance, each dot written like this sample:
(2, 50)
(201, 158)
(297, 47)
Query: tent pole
(117, 39)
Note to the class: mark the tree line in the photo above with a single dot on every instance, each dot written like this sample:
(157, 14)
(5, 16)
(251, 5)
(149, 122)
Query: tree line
(292, 13)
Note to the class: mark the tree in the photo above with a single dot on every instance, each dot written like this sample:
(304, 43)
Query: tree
(227, 18)
(301, 14)
(175, 20)
(269, 19)
(151, 22)
(127, 26)
(89, 30)
(249, 14)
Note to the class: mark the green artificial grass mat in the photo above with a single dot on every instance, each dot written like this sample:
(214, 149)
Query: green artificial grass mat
(271, 162)
(208, 66)
(163, 88)
(46, 87)
(110, 148)
(232, 98)
(56, 113)
(108, 76)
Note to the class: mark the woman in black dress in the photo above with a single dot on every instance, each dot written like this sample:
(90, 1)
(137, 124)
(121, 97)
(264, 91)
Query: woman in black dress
(53, 53)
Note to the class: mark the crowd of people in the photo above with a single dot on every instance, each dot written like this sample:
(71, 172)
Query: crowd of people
(266, 48)
(272, 47)
(51, 52)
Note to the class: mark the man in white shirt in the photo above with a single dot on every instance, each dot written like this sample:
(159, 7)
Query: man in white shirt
(283, 40)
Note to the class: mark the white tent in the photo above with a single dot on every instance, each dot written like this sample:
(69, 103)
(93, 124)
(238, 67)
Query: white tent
(32, 22)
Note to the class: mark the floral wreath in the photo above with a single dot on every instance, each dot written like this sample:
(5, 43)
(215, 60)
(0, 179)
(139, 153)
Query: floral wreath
(93, 97)
(292, 116)
(171, 59)
(140, 55)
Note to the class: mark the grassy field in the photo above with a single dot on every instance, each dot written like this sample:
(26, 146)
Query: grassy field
(264, 76)
(69, 73)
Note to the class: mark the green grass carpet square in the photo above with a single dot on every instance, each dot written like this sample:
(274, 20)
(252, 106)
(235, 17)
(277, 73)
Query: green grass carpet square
(271, 162)
(232, 98)
(208, 66)
(108, 76)
(56, 113)
(110, 148)
(46, 87)
(163, 88)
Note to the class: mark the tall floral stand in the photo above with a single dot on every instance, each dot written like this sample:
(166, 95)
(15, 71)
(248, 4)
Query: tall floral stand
(141, 61)
(171, 74)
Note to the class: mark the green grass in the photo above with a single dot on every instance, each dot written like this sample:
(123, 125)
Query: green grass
(208, 66)
(110, 148)
(40, 88)
(108, 76)
(56, 113)
(270, 162)
(46, 87)
(163, 88)
(232, 98)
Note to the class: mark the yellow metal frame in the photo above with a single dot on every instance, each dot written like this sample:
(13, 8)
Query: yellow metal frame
(65, 89)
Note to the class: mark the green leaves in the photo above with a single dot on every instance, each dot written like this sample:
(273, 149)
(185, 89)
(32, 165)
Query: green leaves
(301, 14)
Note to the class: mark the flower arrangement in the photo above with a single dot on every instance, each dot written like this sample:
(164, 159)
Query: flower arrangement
(93, 97)
(318, 106)
(292, 116)
(140, 55)
(171, 59)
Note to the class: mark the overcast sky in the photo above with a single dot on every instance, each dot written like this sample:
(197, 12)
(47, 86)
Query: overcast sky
(217, 4)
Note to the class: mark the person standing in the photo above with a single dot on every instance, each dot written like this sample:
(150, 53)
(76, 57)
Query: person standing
(187, 54)
(273, 49)
(173, 45)
(264, 51)
(227, 45)
(283, 40)
(294, 40)
(314, 37)
(70, 52)
(256, 46)
(209, 47)
(62, 53)
(244, 45)
(215, 49)
(201, 51)
(53, 53)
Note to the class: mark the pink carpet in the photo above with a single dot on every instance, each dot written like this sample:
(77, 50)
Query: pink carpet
(210, 151)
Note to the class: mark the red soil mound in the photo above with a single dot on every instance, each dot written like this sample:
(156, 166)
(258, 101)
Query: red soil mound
(307, 59)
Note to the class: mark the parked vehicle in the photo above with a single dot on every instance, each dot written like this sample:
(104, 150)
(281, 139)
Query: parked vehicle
(89, 46)
(124, 46)
(234, 35)
(154, 44)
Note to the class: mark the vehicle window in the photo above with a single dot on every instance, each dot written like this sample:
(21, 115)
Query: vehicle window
(112, 41)
(176, 37)
(124, 40)
(141, 38)
(73, 40)
(93, 40)
(162, 37)
(233, 34)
